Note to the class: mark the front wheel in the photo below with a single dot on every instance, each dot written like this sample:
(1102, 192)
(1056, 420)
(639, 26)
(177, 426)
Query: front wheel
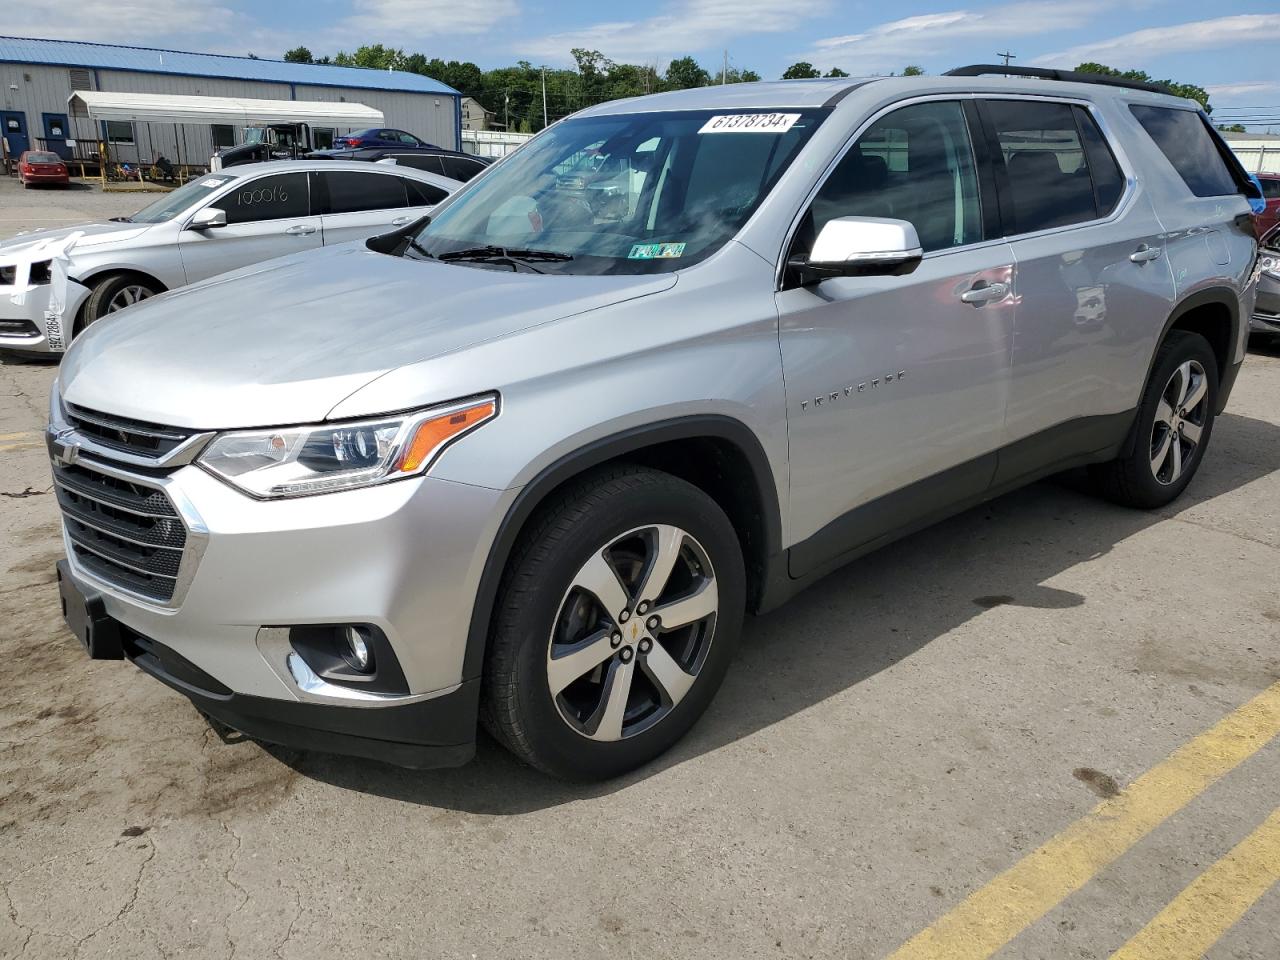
(112, 294)
(1175, 420)
(616, 621)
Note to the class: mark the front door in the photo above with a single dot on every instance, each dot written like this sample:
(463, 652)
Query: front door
(267, 217)
(894, 384)
(56, 134)
(14, 127)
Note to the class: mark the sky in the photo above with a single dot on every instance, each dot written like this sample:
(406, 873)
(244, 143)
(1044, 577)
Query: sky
(1231, 47)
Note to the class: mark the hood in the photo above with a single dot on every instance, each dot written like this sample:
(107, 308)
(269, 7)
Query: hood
(285, 342)
(94, 234)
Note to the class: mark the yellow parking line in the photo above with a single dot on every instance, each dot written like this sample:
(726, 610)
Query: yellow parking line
(1213, 901)
(993, 915)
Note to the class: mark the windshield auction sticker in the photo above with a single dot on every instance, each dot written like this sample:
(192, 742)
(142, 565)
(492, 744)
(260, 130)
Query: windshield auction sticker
(656, 251)
(751, 123)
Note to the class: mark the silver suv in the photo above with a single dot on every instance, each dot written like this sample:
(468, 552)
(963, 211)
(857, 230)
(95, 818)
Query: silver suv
(668, 363)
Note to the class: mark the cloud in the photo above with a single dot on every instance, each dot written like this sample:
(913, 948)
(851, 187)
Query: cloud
(118, 21)
(1143, 45)
(893, 44)
(1245, 88)
(394, 21)
(678, 29)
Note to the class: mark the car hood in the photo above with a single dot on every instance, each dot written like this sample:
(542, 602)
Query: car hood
(285, 342)
(93, 234)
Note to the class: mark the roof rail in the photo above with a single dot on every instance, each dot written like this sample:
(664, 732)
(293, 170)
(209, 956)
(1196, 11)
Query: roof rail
(1047, 73)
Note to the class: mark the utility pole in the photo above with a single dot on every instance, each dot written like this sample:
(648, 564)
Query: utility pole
(1007, 57)
(506, 111)
(544, 97)
(724, 74)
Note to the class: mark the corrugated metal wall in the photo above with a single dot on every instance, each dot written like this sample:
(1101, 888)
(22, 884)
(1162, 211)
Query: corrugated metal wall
(36, 90)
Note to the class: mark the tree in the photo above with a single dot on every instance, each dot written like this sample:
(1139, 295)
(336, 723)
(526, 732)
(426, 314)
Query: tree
(684, 73)
(298, 55)
(1232, 128)
(836, 72)
(1189, 90)
(801, 71)
(911, 70)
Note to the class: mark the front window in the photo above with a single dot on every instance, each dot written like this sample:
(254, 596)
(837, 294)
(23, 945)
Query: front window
(640, 193)
(255, 135)
(176, 201)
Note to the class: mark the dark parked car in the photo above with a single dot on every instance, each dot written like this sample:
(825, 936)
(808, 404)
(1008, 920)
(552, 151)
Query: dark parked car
(1270, 219)
(378, 137)
(1266, 310)
(446, 163)
(42, 166)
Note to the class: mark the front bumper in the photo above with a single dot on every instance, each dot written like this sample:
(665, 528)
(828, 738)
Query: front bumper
(1266, 308)
(404, 556)
(30, 326)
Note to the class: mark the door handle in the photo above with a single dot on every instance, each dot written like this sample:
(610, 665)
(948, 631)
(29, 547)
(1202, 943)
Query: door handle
(300, 230)
(400, 221)
(985, 293)
(1145, 253)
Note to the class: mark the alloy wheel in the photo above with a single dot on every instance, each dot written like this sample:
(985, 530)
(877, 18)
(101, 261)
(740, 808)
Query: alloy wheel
(1181, 415)
(632, 632)
(127, 296)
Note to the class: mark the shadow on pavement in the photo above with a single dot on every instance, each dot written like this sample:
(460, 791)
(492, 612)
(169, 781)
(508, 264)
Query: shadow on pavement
(913, 592)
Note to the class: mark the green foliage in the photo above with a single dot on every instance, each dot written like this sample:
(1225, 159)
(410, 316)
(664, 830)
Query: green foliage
(1189, 90)
(801, 71)
(911, 70)
(299, 55)
(836, 72)
(1232, 128)
(684, 73)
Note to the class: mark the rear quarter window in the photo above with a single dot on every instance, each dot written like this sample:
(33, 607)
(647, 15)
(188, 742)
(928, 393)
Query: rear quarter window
(1186, 142)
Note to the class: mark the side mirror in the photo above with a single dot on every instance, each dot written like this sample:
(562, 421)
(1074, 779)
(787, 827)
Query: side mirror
(207, 218)
(860, 247)
(1257, 202)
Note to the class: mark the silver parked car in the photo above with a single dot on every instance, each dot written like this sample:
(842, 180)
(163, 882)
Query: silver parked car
(54, 283)
(532, 462)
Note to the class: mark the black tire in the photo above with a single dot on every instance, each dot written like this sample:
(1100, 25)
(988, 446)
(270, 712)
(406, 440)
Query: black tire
(518, 707)
(1132, 480)
(98, 304)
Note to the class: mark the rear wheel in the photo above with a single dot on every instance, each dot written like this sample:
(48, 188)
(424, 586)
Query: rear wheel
(615, 624)
(1174, 423)
(114, 293)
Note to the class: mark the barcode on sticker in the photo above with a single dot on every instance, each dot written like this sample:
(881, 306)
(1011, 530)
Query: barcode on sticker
(751, 123)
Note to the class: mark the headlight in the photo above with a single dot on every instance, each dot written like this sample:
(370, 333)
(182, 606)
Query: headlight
(297, 461)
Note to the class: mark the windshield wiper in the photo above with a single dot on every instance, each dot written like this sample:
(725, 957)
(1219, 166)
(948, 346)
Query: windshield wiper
(122, 219)
(506, 255)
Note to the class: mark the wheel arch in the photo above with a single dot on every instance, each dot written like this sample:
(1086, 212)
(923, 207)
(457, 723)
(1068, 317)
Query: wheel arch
(101, 274)
(706, 450)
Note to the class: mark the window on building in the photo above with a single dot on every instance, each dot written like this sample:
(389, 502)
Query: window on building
(322, 138)
(119, 131)
(224, 135)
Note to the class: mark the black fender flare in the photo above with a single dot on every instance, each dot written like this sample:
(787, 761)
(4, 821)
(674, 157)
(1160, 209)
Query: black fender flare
(593, 454)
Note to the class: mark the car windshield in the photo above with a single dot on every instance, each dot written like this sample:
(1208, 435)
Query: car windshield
(173, 203)
(635, 193)
(254, 135)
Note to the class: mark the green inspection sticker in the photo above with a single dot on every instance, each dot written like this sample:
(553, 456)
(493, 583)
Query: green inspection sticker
(655, 251)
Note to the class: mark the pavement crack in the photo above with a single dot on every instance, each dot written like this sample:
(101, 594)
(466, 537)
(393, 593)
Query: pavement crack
(293, 924)
(129, 904)
(1230, 533)
(234, 884)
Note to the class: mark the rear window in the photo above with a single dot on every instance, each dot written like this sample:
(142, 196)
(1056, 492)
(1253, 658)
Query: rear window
(43, 158)
(1184, 138)
(1270, 188)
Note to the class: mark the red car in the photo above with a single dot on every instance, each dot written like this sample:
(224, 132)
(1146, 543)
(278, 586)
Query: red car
(41, 166)
(1268, 220)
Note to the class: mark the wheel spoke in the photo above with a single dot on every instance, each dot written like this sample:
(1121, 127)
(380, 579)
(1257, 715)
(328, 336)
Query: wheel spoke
(1175, 453)
(690, 609)
(1191, 433)
(1184, 383)
(666, 551)
(563, 670)
(1162, 453)
(1164, 413)
(607, 719)
(1195, 393)
(598, 578)
(666, 673)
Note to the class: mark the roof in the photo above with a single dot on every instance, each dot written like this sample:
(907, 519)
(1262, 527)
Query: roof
(74, 53)
(173, 108)
(359, 166)
(767, 94)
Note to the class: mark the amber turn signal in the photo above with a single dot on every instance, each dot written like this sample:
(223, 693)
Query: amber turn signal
(432, 435)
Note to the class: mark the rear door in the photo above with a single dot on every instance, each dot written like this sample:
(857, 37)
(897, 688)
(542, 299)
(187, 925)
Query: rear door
(360, 204)
(267, 216)
(1093, 279)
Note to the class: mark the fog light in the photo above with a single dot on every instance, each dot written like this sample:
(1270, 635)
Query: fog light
(358, 643)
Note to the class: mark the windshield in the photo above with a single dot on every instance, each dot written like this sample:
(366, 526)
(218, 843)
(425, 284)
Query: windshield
(638, 193)
(254, 135)
(173, 203)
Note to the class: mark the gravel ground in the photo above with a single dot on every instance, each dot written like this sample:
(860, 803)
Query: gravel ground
(887, 744)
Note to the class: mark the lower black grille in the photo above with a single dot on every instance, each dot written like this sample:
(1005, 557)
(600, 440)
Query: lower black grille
(124, 533)
(159, 660)
(17, 328)
(130, 436)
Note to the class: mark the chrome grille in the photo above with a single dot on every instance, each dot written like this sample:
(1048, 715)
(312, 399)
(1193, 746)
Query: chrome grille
(126, 533)
(128, 436)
